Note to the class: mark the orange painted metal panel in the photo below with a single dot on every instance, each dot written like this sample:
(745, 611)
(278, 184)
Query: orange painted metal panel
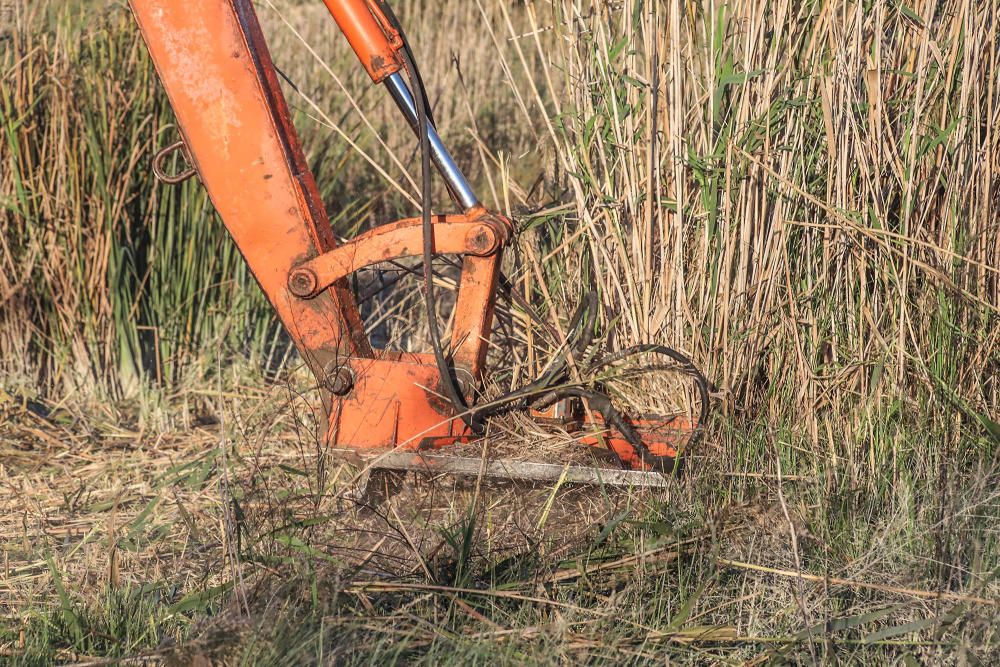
(474, 312)
(664, 437)
(395, 401)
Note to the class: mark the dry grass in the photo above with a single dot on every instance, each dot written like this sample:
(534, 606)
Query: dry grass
(248, 518)
(799, 195)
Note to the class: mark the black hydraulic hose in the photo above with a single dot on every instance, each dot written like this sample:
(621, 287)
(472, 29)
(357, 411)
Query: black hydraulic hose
(580, 337)
(687, 367)
(413, 71)
(536, 395)
(448, 383)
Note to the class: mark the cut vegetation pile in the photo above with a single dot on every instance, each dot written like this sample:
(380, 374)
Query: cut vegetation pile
(799, 195)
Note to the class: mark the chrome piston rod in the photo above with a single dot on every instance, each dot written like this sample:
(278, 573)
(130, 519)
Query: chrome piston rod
(457, 184)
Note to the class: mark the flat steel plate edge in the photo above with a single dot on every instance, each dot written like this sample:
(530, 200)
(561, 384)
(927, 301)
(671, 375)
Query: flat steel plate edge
(503, 469)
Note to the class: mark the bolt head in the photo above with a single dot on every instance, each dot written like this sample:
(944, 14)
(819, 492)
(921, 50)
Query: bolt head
(302, 282)
(481, 241)
(341, 381)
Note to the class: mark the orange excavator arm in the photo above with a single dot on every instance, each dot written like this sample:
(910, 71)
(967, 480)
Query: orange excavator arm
(214, 63)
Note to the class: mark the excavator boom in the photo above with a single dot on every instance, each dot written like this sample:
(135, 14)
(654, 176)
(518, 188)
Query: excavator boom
(236, 131)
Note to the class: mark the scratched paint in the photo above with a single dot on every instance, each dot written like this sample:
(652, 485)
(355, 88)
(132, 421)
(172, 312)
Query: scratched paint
(190, 62)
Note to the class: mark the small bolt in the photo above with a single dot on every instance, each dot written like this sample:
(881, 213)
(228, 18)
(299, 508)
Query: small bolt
(341, 381)
(302, 282)
(481, 241)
